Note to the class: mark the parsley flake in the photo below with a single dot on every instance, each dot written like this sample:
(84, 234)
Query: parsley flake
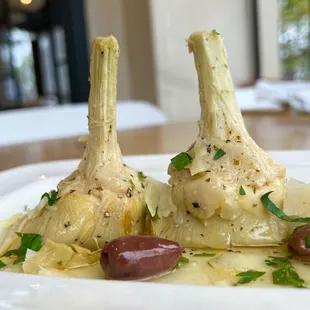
(249, 276)
(219, 153)
(141, 176)
(28, 241)
(308, 241)
(204, 254)
(181, 160)
(242, 191)
(278, 212)
(51, 198)
(215, 32)
(148, 212)
(284, 273)
(2, 264)
(132, 185)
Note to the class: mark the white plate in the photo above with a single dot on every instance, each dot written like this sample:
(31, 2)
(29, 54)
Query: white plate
(23, 186)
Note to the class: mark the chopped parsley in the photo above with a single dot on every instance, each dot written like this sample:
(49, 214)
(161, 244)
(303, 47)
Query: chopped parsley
(51, 198)
(308, 241)
(242, 191)
(278, 212)
(132, 185)
(204, 254)
(284, 273)
(215, 32)
(2, 264)
(181, 160)
(183, 260)
(141, 176)
(219, 153)
(249, 276)
(28, 241)
(148, 212)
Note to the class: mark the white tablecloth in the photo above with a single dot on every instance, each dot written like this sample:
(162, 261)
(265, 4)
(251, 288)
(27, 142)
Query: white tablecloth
(33, 124)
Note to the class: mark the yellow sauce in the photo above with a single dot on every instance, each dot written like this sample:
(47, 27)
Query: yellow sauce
(219, 270)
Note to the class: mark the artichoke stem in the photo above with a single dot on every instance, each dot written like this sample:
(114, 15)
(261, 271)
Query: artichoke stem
(102, 147)
(220, 114)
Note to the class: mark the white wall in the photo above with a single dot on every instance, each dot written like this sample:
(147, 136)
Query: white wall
(129, 22)
(268, 19)
(173, 21)
(155, 64)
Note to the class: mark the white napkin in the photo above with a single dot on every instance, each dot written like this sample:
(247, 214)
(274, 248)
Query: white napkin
(301, 100)
(295, 93)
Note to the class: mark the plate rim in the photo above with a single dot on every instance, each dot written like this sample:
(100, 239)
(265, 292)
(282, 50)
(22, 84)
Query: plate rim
(26, 281)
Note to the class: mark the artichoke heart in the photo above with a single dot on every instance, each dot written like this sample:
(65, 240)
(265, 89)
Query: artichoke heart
(103, 199)
(218, 192)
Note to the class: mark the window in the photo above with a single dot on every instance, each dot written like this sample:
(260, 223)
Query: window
(294, 38)
(284, 39)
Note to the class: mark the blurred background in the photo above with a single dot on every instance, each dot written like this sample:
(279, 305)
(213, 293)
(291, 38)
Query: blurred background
(45, 46)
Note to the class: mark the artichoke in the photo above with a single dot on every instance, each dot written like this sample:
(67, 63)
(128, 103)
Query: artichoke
(217, 184)
(103, 199)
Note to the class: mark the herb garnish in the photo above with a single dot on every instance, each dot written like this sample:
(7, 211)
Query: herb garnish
(242, 191)
(308, 241)
(215, 32)
(278, 212)
(50, 197)
(204, 254)
(181, 160)
(2, 264)
(284, 274)
(141, 176)
(133, 186)
(183, 260)
(28, 241)
(248, 276)
(148, 212)
(219, 153)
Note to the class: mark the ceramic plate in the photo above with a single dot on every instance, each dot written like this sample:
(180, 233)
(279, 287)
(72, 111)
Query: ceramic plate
(20, 187)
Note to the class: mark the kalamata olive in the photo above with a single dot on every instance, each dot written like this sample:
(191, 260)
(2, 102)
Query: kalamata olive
(139, 257)
(299, 241)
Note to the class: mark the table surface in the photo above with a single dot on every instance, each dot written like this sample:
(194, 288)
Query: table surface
(271, 131)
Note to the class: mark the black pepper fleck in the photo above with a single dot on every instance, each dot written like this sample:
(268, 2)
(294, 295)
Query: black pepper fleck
(196, 205)
(129, 192)
(68, 224)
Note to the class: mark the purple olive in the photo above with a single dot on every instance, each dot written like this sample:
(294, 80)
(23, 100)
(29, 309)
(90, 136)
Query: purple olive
(139, 257)
(299, 241)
